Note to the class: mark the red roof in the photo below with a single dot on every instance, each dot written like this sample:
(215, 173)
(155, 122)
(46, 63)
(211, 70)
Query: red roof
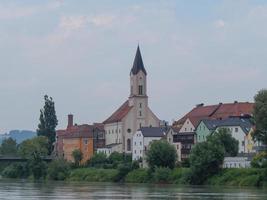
(119, 114)
(218, 111)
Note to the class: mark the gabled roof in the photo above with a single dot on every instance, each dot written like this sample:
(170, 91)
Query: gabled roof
(138, 63)
(218, 111)
(152, 131)
(118, 115)
(244, 123)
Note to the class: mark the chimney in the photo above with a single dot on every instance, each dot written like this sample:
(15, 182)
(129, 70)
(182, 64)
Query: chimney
(200, 105)
(70, 120)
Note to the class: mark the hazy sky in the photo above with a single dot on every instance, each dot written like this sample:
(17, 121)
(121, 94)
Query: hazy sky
(81, 52)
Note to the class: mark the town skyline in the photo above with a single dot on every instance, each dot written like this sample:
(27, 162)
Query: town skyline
(83, 60)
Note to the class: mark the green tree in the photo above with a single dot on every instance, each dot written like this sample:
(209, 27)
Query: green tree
(8, 147)
(224, 137)
(77, 156)
(37, 145)
(206, 159)
(35, 150)
(161, 154)
(48, 122)
(98, 160)
(58, 169)
(260, 116)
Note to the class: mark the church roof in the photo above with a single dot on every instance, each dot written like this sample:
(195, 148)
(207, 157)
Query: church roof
(138, 63)
(118, 115)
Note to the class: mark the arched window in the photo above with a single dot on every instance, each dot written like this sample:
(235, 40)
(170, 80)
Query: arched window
(128, 144)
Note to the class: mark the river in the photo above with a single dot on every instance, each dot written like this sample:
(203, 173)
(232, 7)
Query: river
(19, 189)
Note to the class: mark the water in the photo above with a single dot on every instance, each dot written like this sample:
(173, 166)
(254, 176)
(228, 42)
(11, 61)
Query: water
(14, 189)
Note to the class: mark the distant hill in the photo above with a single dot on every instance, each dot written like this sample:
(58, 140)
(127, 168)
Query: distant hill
(18, 135)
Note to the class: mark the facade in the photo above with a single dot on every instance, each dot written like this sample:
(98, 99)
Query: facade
(142, 139)
(237, 162)
(134, 113)
(82, 137)
(240, 128)
(177, 145)
(110, 148)
(218, 111)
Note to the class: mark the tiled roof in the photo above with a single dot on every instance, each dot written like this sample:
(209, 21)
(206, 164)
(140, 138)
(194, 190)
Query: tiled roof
(152, 131)
(118, 115)
(218, 111)
(79, 131)
(244, 123)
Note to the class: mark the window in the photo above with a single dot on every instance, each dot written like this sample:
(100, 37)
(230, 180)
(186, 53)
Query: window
(140, 143)
(129, 130)
(140, 125)
(135, 143)
(140, 89)
(185, 129)
(140, 151)
(85, 141)
(236, 129)
(140, 105)
(131, 89)
(145, 148)
(135, 151)
(112, 131)
(128, 144)
(243, 143)
(140, 113)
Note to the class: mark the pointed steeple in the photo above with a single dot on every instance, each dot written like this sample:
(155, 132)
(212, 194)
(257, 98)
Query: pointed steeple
(138, 63)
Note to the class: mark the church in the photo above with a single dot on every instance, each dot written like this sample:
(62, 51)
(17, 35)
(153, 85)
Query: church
(133, 114)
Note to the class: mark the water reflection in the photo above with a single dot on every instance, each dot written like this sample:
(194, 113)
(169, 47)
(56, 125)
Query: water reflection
(14, 189)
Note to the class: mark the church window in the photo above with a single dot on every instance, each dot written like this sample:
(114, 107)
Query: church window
(129, 130)
(140, 90)
(140, 113)
(128, 144)
(140, 105)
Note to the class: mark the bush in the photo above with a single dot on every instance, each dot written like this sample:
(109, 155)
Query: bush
(162, 175)
(58, 169)
(17, 170)
(161, 154)
(260, 160)
(138, 176)
(180, 175)
(93, 175)
(98, 160)
(123, 170)
(238, 177)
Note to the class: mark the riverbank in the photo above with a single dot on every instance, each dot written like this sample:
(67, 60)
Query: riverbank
(227, 177)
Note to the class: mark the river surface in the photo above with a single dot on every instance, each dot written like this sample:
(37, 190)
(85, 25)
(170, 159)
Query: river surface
(19, 189)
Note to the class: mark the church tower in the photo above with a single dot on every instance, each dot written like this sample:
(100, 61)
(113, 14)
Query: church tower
(138, 90)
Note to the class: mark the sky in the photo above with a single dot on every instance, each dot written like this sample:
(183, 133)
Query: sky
(80, 53)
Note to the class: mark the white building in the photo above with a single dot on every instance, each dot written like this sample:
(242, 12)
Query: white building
(236, 162)
(240, 129)
(109, 149)
(134, 113)
(142, 139)
(171, 133)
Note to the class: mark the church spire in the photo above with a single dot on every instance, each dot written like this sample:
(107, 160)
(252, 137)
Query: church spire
(138, 63)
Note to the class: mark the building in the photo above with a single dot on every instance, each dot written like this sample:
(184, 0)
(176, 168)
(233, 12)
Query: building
(218, 111)
(134, 113)
(142, 139)
(237, 162)
(110, 148)
(85, 138)
(177, 145)
(240, 129)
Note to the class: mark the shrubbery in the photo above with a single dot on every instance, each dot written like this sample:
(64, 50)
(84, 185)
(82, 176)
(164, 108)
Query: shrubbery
(16, 170)
(58, 170)
(260, 160)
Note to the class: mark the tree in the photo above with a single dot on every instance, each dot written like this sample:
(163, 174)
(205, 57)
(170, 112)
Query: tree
(58, 169)
(260, 116)
(161, 154)
(35, 146)
(8, 147)
(35, 150)
(224, 137)
(98, 160)
(48, 122)
(206, 159)
(77, 156)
